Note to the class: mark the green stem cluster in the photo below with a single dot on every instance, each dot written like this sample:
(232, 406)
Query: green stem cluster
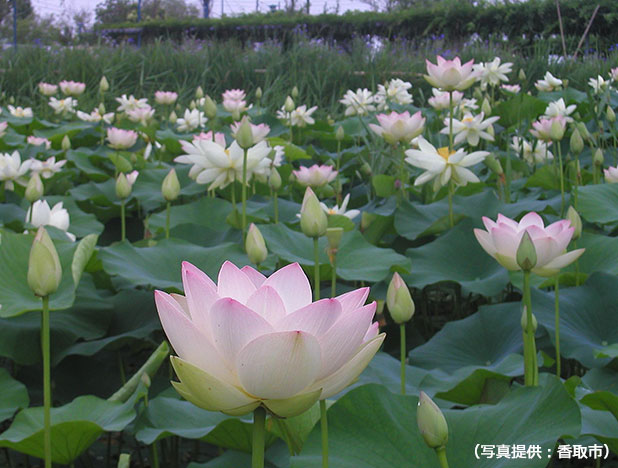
(45, 347)
(557, 324)
(402, 334)
(531, 371)
(324, 431)
(316, 270)
(244, 193)
(259, 430)
(123, 228)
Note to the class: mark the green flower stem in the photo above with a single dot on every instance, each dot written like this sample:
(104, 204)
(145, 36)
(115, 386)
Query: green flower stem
(402, 333)
(402, 172)
(530, 365)
(46, 381)
(441, 453)
(560, 168)
(450, 121)
(333, 276)
(244, 192)
(324, 430)
(557, 302)
(167, 219)
(576, 265)
(316, 270)
(576, 186)
(257, 452)
(507, 175)
(451, 219)
(276, 207)
(123, 228)
(31, 213)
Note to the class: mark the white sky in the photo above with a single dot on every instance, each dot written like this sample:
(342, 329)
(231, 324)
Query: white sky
(230, 7)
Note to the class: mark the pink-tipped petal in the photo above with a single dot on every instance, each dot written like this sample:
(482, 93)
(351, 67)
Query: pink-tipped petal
(531, 219)
(372, 332)
(560, 262)
(267, 303)
(292, 285)
(255, 276)
(201, 294)
(353, 300)
(234, 283)
(485, 239)
(316, 318)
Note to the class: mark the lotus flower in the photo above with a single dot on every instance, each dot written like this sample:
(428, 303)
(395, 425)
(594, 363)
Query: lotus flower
(72, 88)
(449, 75)
(12, 169)
(3, 127)
(315, 176)
(22, 112)
(493, 72)
(57, 216)
(395, 91)
(611, 175)
(121, 139)
(37, 141)
(250, 340)
(360, 102)
(63, 106)
(471, 128)
(542, 128)
(259, 132)
(128, 103)
(503, 236)
(191, 120)
(441, 99)
(166, 97)
(548, 83)
(47, 89)
(395, 127)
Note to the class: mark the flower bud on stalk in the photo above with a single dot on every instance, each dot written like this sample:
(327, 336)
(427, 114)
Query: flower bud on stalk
(313, 221)
(44, 269)
(598, 158)
(274, 179)
(288, 106)
(399, 301)
(199, 93)
(576, 142)
(557, 130)
(526, 253)
(123, 187)
(258, 93)
(333, 236)
(66, 143)
(522, 74)
(173, 117)
(610, 114)
(170, 188)
(34, 189)
(103, 85)
(210, 108)
(244, 135)
(294, 92)
(431, 423)
(494, 165)
(486, 107)
(576, 222)
(524, 321)
(339, 134)
(255, 245)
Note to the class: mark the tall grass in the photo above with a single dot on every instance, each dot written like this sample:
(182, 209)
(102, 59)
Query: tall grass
(321, 72)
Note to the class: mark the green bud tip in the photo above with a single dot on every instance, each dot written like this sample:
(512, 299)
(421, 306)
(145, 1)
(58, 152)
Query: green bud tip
(170, 188)
(244, 135)
(313, 220)
(576, 142)
(210, 108)
(44, 269)
(35, 188)
(339, 134)
(598, 158)
(431, 422)
(123, 187)
(524, 321)
(255, 245)
(66, 143)
(576, 222)
(288, 106)
(294, 92)
(199, 93)
(258, 93)
(274, 179)
(526, 253)
(103, 84)
(399, 301)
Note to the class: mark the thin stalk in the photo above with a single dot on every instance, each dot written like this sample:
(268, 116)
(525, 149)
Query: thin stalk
(576, 265)
(324, 431)
(530, 364)
(123, 227)
(167, 219)
(561, 179)
(244, 192)
(451, 219)
(257, 452)
(316, 270)
(123, 377)
(402, 333)
(450, 121)
(507, 174)
(276, 207)
(402, 172)
(576, 186)
(441, 453)
(557, 306)
(46, 381)
(333, 276)
(31, 213)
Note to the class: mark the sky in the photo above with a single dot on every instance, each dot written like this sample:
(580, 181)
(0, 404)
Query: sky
(230, 7)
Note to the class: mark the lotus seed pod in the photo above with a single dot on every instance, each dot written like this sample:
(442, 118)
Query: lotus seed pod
(170, 188)
(576, 222)
(399, 301)
(255, 245)
(431, 422)
(526, 253)
(313, 220)
(34, 189)
(44, 269)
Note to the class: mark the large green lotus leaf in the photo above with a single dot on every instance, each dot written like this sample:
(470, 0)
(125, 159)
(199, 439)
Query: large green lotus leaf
(204, 212)
(357, 259)
(518, 108)
(14, 395)
(84, 159)
(602, 400)
(88, 319)
(160, 265)
(587, 317)
(71, 129)
(75, 427)
(547, 178)
(276, 456)
(601, 255)
(457, 256)
(16, 297)
(602, 379)
(600, 424)
(133, 317)
(371, 427)
(598, 203)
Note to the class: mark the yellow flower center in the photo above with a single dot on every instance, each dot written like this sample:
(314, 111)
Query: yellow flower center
(444, 152)
(332, 211)
(467, 119)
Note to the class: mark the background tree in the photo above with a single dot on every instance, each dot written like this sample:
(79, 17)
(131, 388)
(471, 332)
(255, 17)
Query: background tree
(24, 9)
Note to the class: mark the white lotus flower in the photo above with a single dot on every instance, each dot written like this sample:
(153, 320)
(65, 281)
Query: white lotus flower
(548, 83)
(514, 88)
(141, 115)
(23, 112)
(559, 108)
(492, 73)
(471, 128)
(599, 84)
(63, 106)
(12, 169)
(341, 210)
(129, 103)
(539, 153)
(395, 91)
(72, 88)
(360, 102)
(48, 168)
(191, 120)
(47, 89)
(57, 216)
(96, 116)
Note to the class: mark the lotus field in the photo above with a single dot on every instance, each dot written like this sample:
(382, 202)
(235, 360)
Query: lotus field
(211, 284)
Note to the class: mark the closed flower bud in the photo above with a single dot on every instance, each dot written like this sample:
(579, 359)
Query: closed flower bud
(583, 130)
(494, 165)
(486, 107)
(66, 143)
(255, 245)
(431, 422)
(173, 117)
(524, 321)
(557, 130)
(288, 106)
(210, 108)
(101, 108)
(526, 253)
(399, 300)
(274, 179)
(522, 74)
(199, 93)
(576, 222)
(366, 169)
(244, 135)
(170, 188)
(34, 189)
(610, 114)
(477, 94)
(334, 235)
(258, 93)
(192, 105)
(339, 134)
(577, 142)
(123, 187)
(598, 158)
(327, 191)
(44, 269)
(313, 221)
(103, 84)
(294, 92)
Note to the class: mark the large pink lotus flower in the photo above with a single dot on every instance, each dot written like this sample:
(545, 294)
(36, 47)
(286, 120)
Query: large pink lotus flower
(121, 139)
(542, 128)
(72, 88)
(449, 75)
(166, 98)
(395, 127)
(250, 340)
(315, 176)
(611, 175)
(502, 238)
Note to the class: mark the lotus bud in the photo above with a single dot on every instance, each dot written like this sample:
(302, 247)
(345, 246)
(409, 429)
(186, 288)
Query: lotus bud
(526, 253)
(103, 84)
(334, 235)
(173, 117)
(576, 142)
(288, 106)
(486, 107)
(192, 105)
(491, 130)
(244, 135)
(236, 115)
(583, 130)
(313, 221)
(255, 245)
(431, 422)
(34, 189)
(366, 169)
(367, 219)
(123, 187)
(329, 120)
(399, 300)
(524, 321)
(170, 188)
(477, 94)
(494, 165)
(12, 100)
(610, 114)
(44, 269)
(522, 74)
(340, 133)
(210, 108)
(274, 179)
(66, 143)
(576, 222)
(327, 191)
(199, 93)
(556, 131)
(598, 158)
(258, 93)
(294, 92)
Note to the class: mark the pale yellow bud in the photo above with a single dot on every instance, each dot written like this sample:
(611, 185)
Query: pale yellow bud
(34, 189)
(170, 188)
(44, 269)
(313, 220)
(255, 245)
